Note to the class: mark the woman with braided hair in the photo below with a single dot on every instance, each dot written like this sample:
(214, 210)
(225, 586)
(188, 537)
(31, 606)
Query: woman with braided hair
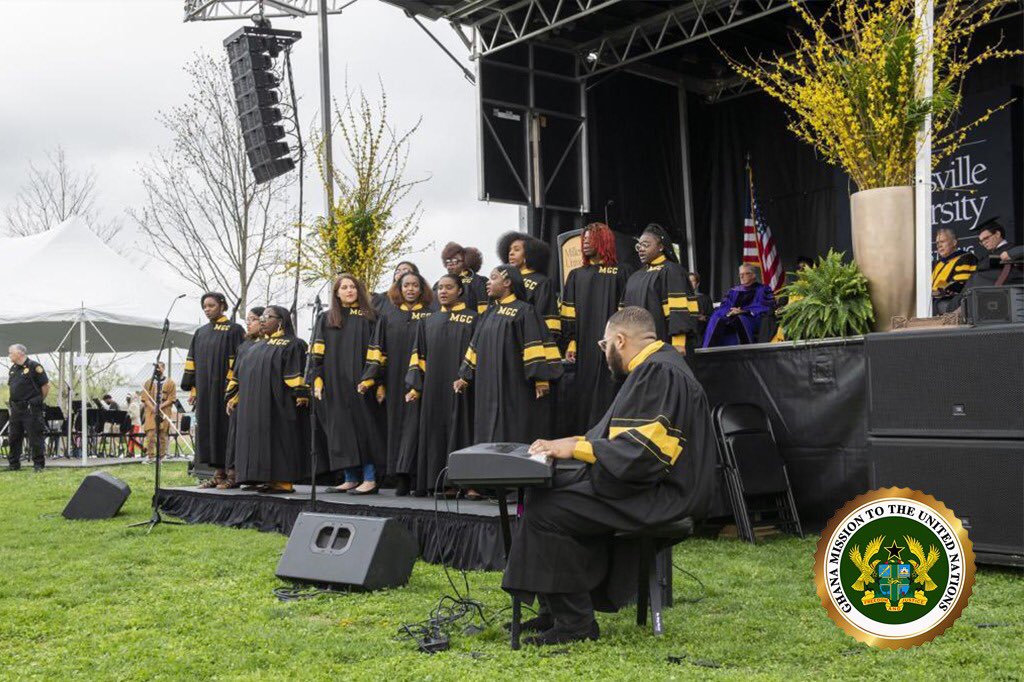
(661, 287)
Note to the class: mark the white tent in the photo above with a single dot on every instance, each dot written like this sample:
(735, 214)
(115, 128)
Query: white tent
(66, 290)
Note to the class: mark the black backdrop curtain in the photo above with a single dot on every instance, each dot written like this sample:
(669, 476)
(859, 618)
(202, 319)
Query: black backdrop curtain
(803, 199)
(634, 147)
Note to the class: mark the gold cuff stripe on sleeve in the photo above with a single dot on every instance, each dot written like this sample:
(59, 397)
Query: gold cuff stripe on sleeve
(654, 433)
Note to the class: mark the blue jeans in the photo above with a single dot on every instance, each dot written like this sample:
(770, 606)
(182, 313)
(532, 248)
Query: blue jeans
(369, 473)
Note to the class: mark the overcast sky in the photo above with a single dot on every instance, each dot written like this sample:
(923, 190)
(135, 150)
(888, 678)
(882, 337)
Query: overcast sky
(92, 75)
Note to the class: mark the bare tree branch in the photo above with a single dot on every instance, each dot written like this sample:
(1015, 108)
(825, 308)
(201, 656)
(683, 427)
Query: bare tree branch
(52, 193)
(204, 209)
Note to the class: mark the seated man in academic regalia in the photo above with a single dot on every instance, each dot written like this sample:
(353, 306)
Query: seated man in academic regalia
(738, 318)
(998, 260)
(647, 462)
(952, 269)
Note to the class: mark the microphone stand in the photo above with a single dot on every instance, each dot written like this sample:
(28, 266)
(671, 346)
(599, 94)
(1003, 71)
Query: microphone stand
(318, 307)
(157, 384)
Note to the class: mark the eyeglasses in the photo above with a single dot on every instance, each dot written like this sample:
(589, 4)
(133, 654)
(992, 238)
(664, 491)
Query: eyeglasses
(452, 261)
(640, 246)
(603, 345)
(264, 318)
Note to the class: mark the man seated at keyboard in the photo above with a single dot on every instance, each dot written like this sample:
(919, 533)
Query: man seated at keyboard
(651, 461)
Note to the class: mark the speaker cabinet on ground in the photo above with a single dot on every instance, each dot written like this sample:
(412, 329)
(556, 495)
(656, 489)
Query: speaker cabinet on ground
(361, 552)
(955, 383)
(982, 481)
(100, 496)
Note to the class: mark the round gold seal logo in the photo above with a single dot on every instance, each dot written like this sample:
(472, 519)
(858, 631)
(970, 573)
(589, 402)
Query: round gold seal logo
(894, 568)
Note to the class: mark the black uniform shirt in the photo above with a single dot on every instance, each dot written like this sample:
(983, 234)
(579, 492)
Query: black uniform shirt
(26, 381)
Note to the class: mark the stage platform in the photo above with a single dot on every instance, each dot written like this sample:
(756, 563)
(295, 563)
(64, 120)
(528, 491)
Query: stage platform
(463, 534)
(94, 462)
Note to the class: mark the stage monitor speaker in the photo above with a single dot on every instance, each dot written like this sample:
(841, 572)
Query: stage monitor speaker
(359, 552)
(981, 481)
(995, 305)
(100, 496)
(947, 382)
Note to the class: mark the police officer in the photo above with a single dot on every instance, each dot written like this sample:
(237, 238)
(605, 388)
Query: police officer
(29, 385)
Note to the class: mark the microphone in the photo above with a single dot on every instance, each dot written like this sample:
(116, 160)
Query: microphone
(167, 317)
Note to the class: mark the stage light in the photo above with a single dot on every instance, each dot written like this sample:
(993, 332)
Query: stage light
(592, 57)
(251, 54)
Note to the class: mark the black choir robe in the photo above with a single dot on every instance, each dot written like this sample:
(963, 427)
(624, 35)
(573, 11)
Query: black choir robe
(591, 295)
(509, 354)
(650, 460)
(353, 423)
(387, 362)
(446, 417)
(229, 459)
(271, 435)
(541, 294)
(208, 369)
(663, 289)
(474, 292)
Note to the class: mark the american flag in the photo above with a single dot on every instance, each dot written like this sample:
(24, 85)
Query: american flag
(758, 245)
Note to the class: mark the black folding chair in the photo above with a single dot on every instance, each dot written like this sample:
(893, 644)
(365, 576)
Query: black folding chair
(56, 430)
(755, 473)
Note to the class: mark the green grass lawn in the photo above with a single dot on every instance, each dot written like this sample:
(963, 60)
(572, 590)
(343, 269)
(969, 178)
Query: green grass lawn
(96, 600)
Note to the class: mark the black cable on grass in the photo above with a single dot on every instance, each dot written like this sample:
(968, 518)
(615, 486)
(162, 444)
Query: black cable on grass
(703, 589)
(433, 634)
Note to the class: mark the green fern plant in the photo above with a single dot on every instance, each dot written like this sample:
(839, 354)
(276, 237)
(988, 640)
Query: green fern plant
(828, 300)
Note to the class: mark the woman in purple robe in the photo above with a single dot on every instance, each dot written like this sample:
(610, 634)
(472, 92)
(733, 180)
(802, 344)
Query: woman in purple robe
(738, 318)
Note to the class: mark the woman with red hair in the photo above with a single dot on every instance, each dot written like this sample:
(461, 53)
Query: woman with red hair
(591, 295)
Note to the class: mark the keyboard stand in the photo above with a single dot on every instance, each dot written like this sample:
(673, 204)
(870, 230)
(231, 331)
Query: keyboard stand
(506, 536)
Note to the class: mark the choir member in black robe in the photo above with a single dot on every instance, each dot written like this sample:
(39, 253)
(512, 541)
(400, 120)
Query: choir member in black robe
(270, 394)
(387, 363)
(648, 461)
(532, 257)
(352, 421)
(380, 299)
(510, 361)
(445, 419)
(662, 288)
(591, 295)
(208, 368)
(252, 335)
(474, 287)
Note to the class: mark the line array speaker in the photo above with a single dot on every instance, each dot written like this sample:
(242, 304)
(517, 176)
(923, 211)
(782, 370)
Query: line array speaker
(251, 54)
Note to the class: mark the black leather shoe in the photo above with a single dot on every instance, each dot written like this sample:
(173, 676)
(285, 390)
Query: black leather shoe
(539, 623)
(555, 636)
(401, 486)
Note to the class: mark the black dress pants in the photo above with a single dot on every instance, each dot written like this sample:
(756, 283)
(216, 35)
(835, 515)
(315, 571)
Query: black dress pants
(26, 420)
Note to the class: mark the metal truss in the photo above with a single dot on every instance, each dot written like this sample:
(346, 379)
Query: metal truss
(502, 27)
(213, 10)
(685, 24)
